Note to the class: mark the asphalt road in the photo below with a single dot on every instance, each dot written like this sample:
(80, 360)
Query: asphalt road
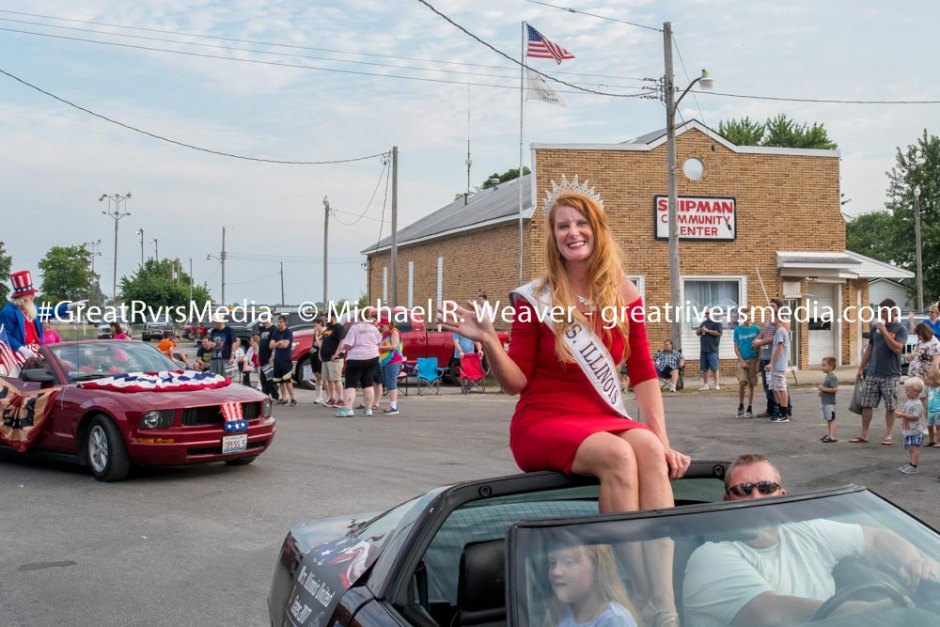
(197, 546)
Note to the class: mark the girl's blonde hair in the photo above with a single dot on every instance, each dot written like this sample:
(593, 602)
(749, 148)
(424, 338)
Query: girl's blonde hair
(605, 275)
(933, 377)
(607, 583)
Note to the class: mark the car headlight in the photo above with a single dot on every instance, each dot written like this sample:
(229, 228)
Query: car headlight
(156, 419)
(266, 407)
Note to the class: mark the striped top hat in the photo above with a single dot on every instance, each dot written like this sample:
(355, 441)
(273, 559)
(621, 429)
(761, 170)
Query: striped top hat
(22, 284)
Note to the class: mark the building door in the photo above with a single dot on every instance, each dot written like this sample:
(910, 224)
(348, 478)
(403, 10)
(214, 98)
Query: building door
(820, 307)
(792, 304)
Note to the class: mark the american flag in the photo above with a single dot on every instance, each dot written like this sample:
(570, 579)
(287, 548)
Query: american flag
(541, 48)
(9, 360)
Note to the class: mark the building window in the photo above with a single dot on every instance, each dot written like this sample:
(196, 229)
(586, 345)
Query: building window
(707, 292)
(411, 284)
(640, 281)
(440, 283)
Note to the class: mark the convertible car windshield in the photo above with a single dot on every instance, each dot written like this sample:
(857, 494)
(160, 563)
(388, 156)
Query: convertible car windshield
(850, 557)
(94, 360)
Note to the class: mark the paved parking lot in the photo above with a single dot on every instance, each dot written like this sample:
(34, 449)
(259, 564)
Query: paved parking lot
(196, 546)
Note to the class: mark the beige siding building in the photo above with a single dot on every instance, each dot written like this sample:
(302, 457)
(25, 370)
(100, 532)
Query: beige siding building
(758, 219)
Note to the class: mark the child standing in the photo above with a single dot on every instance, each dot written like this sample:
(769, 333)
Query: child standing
(911, 427)
(827, 398)
(933, 407)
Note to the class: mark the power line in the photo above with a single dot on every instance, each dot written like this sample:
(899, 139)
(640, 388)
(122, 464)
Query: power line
(818, 100)
(645, 94)
(374, 192)
(600, 17)
(272, 44)
(308, 67)
(179, 143)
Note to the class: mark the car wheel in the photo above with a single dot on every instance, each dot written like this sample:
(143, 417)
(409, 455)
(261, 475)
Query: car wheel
(299, 373)
(241, 461)
(107, 455)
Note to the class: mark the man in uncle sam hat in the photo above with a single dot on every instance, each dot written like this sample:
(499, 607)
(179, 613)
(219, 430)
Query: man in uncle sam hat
(22, 320)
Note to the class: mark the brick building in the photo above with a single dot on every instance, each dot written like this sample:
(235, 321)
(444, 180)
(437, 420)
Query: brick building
(755, 215)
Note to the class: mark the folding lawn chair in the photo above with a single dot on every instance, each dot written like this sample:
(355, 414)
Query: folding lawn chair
(472, 375)
(428, 374)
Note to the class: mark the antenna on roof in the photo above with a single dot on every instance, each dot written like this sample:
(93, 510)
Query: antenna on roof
(469, 161)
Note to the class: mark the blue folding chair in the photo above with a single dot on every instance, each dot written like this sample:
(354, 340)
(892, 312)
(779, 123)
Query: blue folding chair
(429, 374)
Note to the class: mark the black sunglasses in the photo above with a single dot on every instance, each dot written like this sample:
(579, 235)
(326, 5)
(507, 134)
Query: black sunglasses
(747, 488)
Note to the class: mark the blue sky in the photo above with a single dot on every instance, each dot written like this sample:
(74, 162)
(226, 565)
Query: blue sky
(58, 160)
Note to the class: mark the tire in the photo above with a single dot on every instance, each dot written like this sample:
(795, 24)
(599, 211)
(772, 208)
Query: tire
(241, 461)
(105, 449)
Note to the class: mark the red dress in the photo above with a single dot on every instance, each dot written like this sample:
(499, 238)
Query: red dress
(559, 408)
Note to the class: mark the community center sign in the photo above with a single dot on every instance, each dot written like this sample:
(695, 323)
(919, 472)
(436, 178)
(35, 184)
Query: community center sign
(697, 217)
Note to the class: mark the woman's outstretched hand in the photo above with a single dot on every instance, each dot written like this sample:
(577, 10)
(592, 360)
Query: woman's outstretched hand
(470, 322)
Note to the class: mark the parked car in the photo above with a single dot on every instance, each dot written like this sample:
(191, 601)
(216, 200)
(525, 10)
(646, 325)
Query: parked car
(109, 430)
(155, 328)
(475, 553)
(195, 330)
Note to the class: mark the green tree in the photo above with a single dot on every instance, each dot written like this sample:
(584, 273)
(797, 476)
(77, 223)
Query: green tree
(66, 274)
(743, 132)
(917, 165)
(780, 131)
(6, 262)
(508, 175)
(162, 283)
(872, 235)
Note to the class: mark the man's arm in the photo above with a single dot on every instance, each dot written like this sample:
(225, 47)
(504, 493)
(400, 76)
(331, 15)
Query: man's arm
(866, 356)
(900, 555)
(892, 343)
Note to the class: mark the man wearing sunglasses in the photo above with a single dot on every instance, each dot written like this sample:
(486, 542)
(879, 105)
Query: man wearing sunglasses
(783, 574)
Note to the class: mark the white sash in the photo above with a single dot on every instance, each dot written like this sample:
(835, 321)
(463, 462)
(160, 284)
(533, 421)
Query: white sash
(588, 349)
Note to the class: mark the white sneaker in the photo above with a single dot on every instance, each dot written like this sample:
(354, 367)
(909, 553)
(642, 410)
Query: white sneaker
(672, 388)
(908, 469)
(717, 387)
(705, 388)
(740, 413)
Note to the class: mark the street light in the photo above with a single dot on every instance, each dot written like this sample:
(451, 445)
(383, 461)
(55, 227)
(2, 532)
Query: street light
(920, 272)
(115, 214)
(140, 233)
(92, 248)
(672, 105)
(156, 248)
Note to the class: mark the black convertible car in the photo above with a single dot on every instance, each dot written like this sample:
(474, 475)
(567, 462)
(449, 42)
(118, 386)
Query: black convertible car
(481, 553)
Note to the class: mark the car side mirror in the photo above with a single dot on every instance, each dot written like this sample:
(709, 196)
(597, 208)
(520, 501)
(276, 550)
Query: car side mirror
(37, 375)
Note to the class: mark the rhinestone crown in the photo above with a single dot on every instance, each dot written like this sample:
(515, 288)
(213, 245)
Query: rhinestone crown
(571, 186)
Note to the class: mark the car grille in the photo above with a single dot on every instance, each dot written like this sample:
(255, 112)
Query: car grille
(212, 414)
(217, 450)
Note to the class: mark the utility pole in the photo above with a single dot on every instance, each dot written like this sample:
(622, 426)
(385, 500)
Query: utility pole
(223, 266)
(920, 271)
(156, 248)
(669, 93)
(115, 215)
(326, 241)
(190, 280)
(282, 285)
(466, 196)
(394, 252)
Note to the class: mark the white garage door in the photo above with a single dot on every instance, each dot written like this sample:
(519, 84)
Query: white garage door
(821, 327)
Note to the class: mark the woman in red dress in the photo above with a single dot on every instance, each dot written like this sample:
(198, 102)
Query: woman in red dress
(564, 420)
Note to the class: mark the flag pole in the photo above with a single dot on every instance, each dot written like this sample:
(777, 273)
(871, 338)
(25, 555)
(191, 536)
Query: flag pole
(521, 127)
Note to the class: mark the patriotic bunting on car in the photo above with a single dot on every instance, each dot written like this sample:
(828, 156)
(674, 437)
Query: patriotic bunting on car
(23, 414)
(163, 381)
(234, 419)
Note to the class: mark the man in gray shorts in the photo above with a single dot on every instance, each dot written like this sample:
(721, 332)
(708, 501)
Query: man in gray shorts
(880, 380)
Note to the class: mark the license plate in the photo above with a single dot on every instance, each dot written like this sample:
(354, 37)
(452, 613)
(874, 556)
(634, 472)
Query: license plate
(234, 443)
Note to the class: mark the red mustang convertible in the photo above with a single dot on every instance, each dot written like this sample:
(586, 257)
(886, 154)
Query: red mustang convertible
(116, 403)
